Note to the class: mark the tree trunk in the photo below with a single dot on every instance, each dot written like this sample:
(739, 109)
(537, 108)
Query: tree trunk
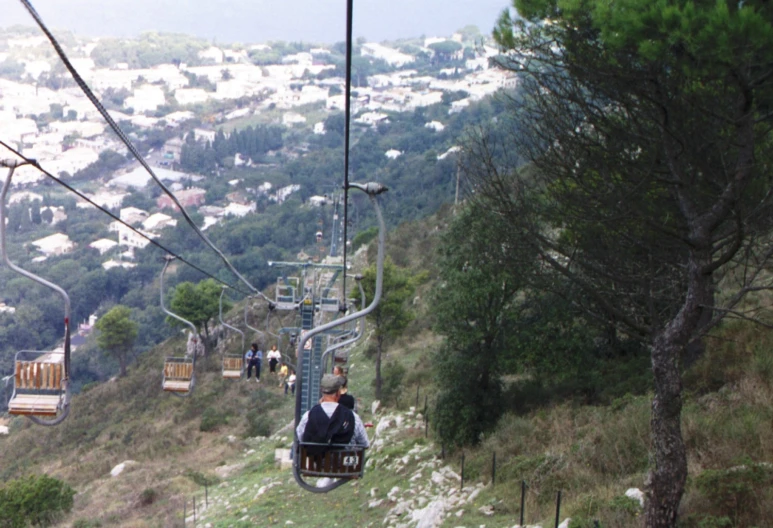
(123, 359)
(668, 476)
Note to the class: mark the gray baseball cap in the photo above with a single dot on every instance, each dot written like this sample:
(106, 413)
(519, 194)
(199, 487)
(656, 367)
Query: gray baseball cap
(330, 383)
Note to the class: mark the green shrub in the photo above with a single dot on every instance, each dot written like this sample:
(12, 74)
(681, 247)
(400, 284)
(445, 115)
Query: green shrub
(85, 523)
(37, 500)
(211, 419)
(148, 496)
(735, 493)
(392, 382)
(258, 425)
(201, 479)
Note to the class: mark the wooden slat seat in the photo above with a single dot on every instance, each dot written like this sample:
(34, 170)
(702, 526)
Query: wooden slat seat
(177, 385)
(178, 376)
(232, 367)
(342, 462)
(34, 404)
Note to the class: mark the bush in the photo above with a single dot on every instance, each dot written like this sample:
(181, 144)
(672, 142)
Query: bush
(37, 500)
(392, 382)
(258, 425)
(148, 496)
(211, 419)
(86, 523)
(734, 495)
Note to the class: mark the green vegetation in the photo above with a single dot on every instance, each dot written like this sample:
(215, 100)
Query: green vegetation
(198, 303)
(392, 315)
(117, 333)
(151, 49)
(34, 501)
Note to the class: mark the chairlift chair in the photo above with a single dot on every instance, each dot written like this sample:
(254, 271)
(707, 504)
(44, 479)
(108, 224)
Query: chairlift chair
(179, 375)
(41, 380)
(233, 364)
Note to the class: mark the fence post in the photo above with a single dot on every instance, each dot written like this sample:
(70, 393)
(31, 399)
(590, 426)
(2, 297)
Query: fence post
(523, 498)
(194, 511)
(443, 450)
(558, 507)
(493, 468)
(417, 397)
(426, 426)
(185, 510)
(462, 472)
(206, 495)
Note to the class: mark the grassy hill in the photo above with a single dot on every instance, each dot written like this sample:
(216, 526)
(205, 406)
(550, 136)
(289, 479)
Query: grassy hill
(219, 445)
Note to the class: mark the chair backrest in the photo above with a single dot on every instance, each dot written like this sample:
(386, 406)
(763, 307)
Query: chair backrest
(38, 375)
(178, 370)
(337, 462)
(232, 363)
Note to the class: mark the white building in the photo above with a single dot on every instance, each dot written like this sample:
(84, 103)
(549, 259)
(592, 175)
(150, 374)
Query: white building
(158, 221)
(133, 215)
(103, 245)
(393, 154)
(56, 244)
(235, 209)
(389, 55)
(129, 238)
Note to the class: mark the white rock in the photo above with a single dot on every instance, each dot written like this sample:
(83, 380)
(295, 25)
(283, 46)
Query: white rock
(117, 470)
(3, 429)
(289, 522)
(231, 439)
(373, 492)
(383, 424)
(566, 522)
(431, 516)
(392, 495)
(226, 471)
(635, 494)
(374, 406)
(459, 513)
(375, 503)
(472, 495)
(437, 478)
(399, 420)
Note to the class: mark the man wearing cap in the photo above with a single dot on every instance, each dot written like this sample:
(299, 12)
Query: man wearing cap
(315, 424)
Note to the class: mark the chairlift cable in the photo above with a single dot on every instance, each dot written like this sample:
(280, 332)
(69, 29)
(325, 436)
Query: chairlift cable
(82, 196)
(347, 119)
(122, 136)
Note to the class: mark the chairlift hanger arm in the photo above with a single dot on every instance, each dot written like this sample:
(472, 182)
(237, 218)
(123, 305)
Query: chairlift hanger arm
(222, 322)
(358, 334)
(12, 164)
(247, 324)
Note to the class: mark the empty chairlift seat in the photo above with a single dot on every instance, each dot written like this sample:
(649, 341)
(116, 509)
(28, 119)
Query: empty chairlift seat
(233, 366)
(38, 384)
(178, 374)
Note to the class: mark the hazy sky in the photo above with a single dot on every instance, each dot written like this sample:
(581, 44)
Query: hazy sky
(261, 20)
